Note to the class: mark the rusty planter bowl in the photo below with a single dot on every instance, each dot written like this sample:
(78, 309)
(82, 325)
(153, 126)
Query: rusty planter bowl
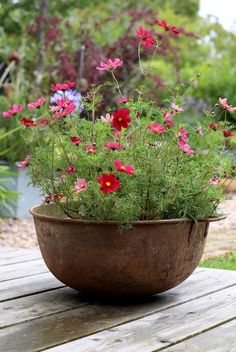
(95, 258)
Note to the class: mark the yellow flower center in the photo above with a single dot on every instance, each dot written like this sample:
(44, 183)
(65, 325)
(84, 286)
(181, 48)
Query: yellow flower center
(119, 118)
(91, 150)
(82, 186)
(108, 184)
(155, 129)
(122, 167)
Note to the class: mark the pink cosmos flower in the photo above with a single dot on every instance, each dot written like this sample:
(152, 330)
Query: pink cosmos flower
(91, 149)
(177, 108)
(62, 86)
(128, 169)
(145, 37)
(25, 162)
(168, 119)
(36, 104)
(155, 128)
(70, 170)
(107, 118)
(109, 64)
(81, 185)
(226, 106)
(182, 134)
(63, 108)
(200, 131)
(15, 109)
(214, 181)
(185, 147)
(113, 146)
(123, 100)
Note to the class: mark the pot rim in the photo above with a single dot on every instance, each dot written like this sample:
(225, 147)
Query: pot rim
(33, 211)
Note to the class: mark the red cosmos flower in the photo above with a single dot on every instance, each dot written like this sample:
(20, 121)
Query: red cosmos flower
(56, 196)
(145, 38)
(155, 128)
(27, 122)
(25, 162)
(228, 133)
(62, 86)
(36, 104)
(109, 183)
(123, 100)
(163, 24)
(121, 119)
(70, 170)
(113, 145)
(109, 64)
(214, 126)
(75, 140)
(128, 169)
(13, 110)
(43, 122)
(91, 149)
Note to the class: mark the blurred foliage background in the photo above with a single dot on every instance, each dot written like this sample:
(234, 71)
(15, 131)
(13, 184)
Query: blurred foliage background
(46, 41)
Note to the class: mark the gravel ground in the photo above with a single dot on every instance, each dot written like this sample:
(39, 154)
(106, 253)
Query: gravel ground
(221, 238)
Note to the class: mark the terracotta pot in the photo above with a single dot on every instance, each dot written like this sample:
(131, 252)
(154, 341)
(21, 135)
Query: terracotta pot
(95, 258)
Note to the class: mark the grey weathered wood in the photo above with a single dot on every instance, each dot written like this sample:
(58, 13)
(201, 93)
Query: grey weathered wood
(19, 310)
(160, 329)
(38, 305)
(28, 268)
(62, 327)
(19, 256)
(219, 339)
(27, 286)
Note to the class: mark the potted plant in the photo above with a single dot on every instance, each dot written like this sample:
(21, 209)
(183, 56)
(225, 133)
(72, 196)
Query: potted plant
(129, 195)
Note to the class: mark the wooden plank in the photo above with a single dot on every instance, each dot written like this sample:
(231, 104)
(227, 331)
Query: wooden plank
(19, 310)
(220, 339)
(19, 256)
(29, 268)
(39, 305)
(42, 333)
(27, 286)
(158, 330)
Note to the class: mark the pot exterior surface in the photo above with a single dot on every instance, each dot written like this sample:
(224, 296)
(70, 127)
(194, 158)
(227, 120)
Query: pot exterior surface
(99, 259)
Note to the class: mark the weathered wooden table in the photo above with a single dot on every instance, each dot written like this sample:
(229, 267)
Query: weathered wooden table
(39, 313)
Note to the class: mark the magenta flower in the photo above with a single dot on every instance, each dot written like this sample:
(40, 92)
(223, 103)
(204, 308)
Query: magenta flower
(155, 128)
(145, 37)
(123, 100)
(80, 185)
(24, 163)
(70, 170)
(36, 104)
(15, 109)
(226, 106)
(62, 86)
(168, 119)
(128, 169)
(63, 108)
(110, 64)
(214, 181)
(113, 146)
(182, 134)
(185, 147)
(107, 118)
(91, 149)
